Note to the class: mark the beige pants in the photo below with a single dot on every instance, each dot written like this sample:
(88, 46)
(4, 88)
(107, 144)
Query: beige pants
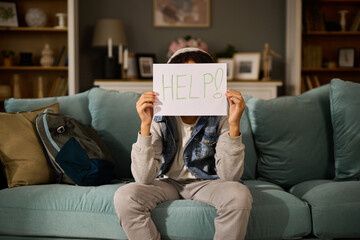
(232, 200)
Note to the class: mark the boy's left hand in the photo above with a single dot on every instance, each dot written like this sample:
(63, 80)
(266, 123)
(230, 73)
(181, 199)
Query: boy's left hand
(236, 108)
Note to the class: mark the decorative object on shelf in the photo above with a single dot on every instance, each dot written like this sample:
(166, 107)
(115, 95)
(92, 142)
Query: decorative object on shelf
(109, 32)
(7, 58)
(35, 17)
(47, 58)
(343, 19)
(267, 61)
(186, 41)
(8, 15)
(346, 57)
(5, 91)
(145, 65)
(62, 20)
(131, 66)
(26, 59)
(229, 67)
(175, 13)
(227, 53)
(16, 86)
(247, 66)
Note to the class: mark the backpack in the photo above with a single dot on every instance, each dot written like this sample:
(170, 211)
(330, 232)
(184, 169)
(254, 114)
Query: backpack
(75, 151)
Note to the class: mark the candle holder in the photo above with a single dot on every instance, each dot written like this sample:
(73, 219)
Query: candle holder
(61, 18)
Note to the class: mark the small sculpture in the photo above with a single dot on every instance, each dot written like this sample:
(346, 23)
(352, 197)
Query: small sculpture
(343, 19)
(267, 61)
(47, 58)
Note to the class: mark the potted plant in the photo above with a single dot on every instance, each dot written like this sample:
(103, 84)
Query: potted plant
(8, 57)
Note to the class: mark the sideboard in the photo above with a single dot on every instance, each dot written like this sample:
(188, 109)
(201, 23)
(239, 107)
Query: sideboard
(259, 89)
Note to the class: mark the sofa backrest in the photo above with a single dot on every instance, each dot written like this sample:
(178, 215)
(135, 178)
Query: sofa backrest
(75, 106)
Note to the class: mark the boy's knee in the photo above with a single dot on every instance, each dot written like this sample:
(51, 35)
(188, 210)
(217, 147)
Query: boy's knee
(238, 196)
(124, 198)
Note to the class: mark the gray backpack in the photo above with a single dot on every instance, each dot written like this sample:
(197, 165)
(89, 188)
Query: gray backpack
(74, 150)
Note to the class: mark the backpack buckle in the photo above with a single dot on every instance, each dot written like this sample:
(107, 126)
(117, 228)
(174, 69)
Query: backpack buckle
(60, 129)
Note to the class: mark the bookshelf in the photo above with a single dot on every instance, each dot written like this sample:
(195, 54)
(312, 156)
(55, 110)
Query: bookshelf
(323, 35)
(32, 40)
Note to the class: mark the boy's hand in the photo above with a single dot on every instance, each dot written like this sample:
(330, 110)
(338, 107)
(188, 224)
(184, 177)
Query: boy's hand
(236, 109)
(145, 109)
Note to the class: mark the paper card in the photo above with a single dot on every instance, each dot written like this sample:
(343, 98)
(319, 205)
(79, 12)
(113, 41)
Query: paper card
(190, 89)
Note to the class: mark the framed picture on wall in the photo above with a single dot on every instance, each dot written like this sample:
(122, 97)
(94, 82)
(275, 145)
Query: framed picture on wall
(229, 67)
(144, 64)
(175, 13)
(8, 15)
(247, 66)
(346, 57)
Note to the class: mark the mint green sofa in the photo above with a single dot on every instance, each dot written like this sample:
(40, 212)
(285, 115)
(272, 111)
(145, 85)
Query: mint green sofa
(302, 166)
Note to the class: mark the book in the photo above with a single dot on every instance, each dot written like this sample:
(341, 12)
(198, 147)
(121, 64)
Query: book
(308, 82)
(54, 86)
(316, 81)
(61, 53)
(356, 23)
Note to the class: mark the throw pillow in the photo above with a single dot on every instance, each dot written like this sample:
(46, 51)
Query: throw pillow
(345, 117)
(293, 137)
(21, 153)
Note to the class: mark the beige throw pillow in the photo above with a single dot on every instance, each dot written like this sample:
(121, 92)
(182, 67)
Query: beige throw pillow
(21, 153)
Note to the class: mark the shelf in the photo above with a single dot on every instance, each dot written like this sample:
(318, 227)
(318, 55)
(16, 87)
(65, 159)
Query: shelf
(331, 33)
(357, 69)
(35, 68)
(33, 29)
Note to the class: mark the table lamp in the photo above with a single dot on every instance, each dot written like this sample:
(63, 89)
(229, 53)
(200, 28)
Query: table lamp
(109, 32)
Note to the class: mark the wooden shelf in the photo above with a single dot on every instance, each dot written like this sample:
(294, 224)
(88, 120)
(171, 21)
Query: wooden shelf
(35, 68)
(357, 69)
(33, 29)
(331, 33)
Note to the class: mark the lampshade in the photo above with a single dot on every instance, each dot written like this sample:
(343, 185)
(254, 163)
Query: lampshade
(109, 28)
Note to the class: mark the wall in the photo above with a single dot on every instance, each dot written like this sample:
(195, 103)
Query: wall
(245, 24)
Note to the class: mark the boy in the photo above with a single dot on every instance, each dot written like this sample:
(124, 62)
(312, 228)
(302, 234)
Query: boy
(186, 157)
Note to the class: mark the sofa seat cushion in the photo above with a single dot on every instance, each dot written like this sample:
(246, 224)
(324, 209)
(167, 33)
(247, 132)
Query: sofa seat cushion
(276, 214)
(293, 136)
(75, 106)
(335, 207)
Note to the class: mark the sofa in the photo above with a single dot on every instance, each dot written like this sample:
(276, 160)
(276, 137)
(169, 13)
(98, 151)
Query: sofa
(302, 166)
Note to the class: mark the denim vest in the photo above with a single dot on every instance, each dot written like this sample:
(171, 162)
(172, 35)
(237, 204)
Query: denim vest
(199, 150)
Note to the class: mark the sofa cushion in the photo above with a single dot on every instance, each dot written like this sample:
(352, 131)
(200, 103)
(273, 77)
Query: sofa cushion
(75, 106)
(345, 116)
(21, 152)
(116, 120)
(293, 136)
(335, 207)
(276, 214)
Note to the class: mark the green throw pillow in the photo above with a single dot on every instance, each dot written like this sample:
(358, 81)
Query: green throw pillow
(293, 137)
(345, 117)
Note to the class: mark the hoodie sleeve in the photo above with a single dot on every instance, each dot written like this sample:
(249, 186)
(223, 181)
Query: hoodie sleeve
(230, 154)
(146, 156)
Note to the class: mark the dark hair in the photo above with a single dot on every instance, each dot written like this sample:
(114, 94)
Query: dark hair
(196, 56)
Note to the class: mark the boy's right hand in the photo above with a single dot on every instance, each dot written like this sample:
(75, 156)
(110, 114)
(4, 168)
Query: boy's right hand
(145, 109)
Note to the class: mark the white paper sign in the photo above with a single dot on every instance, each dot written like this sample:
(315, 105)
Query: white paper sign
(190, 89)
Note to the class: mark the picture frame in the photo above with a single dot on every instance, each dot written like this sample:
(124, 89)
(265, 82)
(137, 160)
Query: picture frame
(346, 57)
(174, 13)
(229, 67)
(8, 14)
(144, 64)
(247, 65)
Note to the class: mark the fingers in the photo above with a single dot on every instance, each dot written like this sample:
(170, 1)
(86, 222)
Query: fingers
(147, 97)
(234, 97)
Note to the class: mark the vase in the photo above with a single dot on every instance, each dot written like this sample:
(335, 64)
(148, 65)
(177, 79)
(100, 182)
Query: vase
(47, 58)
(35, 17)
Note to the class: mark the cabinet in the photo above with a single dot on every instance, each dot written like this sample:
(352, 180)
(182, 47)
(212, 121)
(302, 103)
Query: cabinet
(35, 80)
(259, 89)
(324, 35)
